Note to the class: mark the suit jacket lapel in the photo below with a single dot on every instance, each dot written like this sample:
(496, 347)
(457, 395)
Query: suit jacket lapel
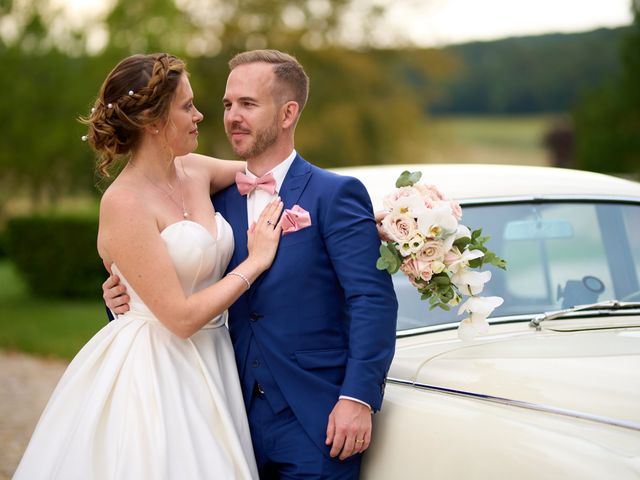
(295, 181)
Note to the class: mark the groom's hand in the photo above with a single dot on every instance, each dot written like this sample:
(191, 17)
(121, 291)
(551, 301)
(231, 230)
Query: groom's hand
(349, 428)
(114, 293)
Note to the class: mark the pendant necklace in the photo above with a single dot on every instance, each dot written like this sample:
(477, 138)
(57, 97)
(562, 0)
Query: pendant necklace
(185, 214)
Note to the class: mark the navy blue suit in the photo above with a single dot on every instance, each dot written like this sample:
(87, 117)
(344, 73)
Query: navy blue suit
(321, 321)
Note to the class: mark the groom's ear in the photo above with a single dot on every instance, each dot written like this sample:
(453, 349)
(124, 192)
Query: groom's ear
(289, 114)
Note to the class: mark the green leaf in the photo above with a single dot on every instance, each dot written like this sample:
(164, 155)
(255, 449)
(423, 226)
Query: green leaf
(498, 262)
(462, 242)
(389, 259)
(407, 179)
(476, 262)
(441, 279)
(381, 264)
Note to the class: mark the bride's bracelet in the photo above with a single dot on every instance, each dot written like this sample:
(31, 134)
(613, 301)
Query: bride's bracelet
(238, 274)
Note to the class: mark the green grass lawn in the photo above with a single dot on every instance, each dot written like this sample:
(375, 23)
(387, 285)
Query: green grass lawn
(46, 327)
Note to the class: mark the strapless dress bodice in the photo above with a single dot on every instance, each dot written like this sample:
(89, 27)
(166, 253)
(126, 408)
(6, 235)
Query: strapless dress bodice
(199, 259)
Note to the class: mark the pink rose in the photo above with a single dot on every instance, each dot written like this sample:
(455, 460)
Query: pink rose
(390, 200)
(400, 228)
(430, 191)
(456, 210)
(414, 267)
(432, 250)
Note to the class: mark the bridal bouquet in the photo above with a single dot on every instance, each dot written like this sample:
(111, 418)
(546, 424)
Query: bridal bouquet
(423, 238)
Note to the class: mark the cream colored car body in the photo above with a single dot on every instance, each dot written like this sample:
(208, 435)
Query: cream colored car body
(554, 402)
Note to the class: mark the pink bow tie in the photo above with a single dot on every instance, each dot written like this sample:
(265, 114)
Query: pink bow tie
(247, 184)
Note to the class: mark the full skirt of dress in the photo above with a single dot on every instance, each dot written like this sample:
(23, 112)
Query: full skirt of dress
(138, 402)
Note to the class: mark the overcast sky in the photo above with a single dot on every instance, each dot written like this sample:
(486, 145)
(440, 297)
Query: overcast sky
(439, 22)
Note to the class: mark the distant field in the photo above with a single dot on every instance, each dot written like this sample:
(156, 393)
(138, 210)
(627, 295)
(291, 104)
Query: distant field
(486, 139)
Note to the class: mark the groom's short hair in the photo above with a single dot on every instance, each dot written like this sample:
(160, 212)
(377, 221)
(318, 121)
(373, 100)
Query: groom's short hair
(288, 71)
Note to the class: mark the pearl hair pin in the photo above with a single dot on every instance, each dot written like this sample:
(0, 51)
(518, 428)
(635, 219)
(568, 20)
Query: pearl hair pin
(84, 138)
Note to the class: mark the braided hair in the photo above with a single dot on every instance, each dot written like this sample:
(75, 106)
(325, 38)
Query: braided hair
(137, 92)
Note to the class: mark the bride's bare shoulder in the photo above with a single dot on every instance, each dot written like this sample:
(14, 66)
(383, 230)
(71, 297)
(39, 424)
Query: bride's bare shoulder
(122, 197)
(199, 162)
(221, 173)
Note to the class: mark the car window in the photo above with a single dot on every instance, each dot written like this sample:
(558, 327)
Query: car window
(559, 254)
(632, 227)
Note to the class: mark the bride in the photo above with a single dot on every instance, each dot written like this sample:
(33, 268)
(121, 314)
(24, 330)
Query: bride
(155, 393)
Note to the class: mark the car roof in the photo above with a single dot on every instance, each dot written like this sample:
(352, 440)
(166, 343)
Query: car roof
(482, 181)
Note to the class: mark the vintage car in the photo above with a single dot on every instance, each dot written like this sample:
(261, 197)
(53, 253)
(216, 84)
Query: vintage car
(553, 389)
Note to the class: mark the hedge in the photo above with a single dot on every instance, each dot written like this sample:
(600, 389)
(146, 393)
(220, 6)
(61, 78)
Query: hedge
(3, 241)
(56, 256)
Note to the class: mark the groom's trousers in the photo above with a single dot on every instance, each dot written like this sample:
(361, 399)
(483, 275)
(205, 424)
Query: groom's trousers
(284, 450)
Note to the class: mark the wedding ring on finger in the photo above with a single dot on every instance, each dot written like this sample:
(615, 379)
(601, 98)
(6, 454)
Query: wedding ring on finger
(359, 441)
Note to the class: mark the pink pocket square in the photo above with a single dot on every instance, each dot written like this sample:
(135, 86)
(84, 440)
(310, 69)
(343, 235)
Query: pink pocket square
(294, 219)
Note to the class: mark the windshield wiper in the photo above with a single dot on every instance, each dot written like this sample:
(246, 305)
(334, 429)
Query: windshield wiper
(608, 306)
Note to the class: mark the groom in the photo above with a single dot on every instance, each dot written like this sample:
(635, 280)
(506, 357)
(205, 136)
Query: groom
(314, 335)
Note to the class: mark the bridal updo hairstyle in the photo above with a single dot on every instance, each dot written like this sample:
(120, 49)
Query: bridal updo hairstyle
(137, 92)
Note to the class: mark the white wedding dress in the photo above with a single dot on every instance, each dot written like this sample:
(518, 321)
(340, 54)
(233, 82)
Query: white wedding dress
(138, 402)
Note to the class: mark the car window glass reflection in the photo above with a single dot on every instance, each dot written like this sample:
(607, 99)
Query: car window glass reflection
(559, 254)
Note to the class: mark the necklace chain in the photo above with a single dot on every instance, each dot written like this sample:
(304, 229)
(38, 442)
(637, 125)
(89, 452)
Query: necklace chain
(185, 214)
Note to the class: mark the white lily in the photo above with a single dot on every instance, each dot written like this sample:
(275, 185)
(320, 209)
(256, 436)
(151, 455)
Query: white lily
(461, 260)
(480, 307)
(436, 222)
(412, 205)
(462, 231)
(470, 283)
(470, 328)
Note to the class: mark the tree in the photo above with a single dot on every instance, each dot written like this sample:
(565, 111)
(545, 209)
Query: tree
(608, 121)
(365, 107)
(41, 152)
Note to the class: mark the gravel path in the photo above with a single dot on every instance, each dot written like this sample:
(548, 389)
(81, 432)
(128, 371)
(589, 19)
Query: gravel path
(25, 386)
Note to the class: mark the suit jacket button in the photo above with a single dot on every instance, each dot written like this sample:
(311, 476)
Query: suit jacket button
(256, 363)
(254, 316)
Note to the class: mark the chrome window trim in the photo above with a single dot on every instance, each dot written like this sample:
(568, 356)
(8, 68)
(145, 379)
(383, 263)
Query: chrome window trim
(453, 325)
(517, 319)
(540, 407)
(547, 198)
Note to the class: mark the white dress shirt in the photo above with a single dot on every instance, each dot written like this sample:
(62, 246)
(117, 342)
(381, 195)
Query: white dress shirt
(258, 199)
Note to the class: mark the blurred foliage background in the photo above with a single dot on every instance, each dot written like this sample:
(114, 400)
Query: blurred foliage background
(368, 104)
(564, 99)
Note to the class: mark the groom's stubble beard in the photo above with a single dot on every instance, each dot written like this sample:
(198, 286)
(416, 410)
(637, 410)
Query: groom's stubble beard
(263, 140)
